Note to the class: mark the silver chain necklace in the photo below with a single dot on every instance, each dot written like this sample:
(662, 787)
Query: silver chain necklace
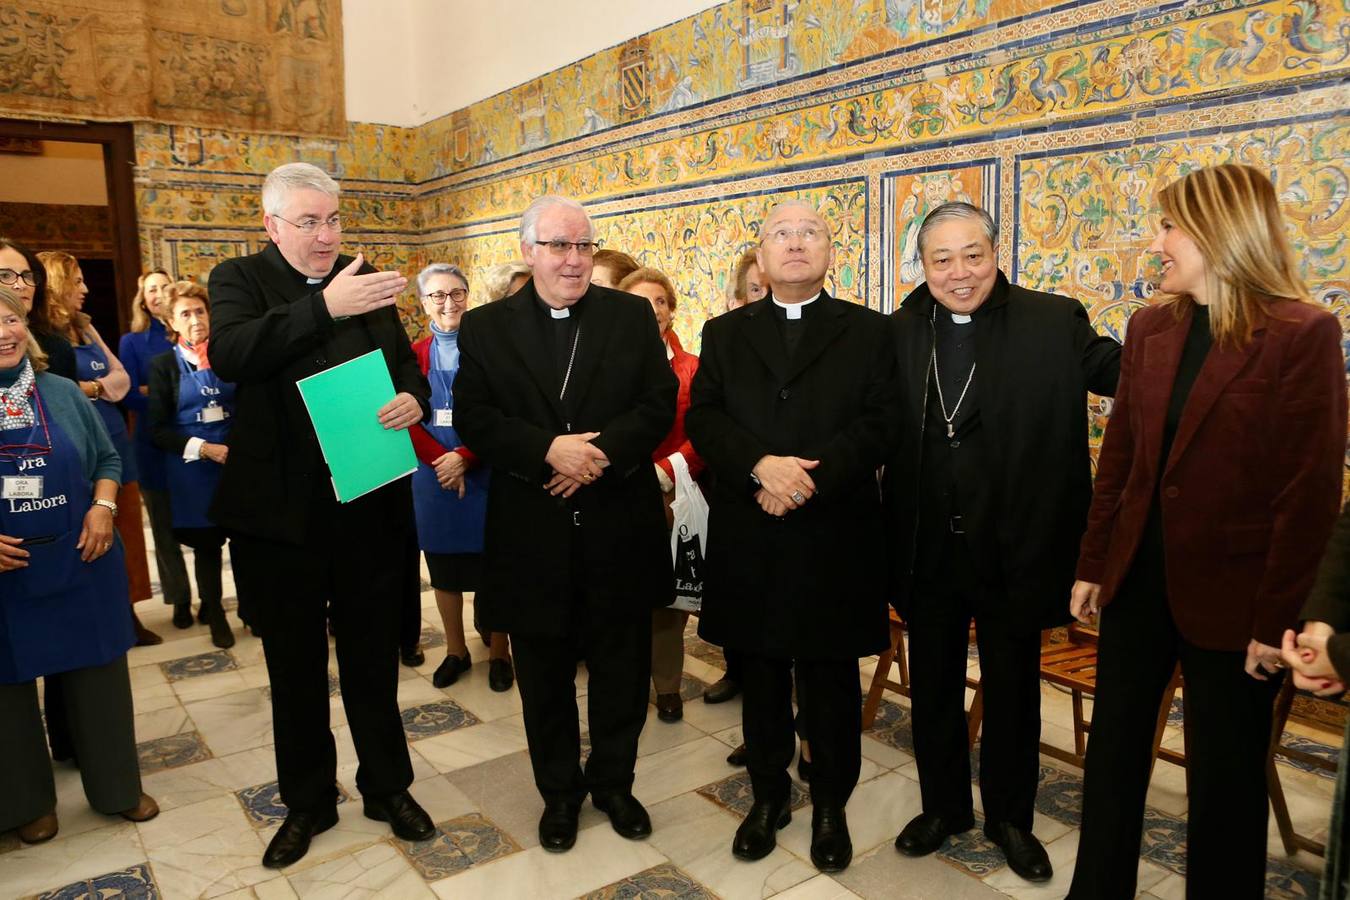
(937, 376)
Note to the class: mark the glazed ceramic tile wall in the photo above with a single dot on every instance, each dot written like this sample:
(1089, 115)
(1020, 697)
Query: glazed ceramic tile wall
(1063, 119)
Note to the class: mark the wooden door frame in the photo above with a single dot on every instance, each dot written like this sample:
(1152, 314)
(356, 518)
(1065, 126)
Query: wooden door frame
(119, 170)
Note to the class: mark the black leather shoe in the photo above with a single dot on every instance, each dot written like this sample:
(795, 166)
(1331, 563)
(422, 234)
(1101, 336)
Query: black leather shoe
(408, 820)
(1025, 854)
(925, 833)
(738, 756)
(412, 657)
(182, 615)
(721, 691)
(831, 847)
(221, 635)
(758, 834)
(291, 842)
(448, 672)
(500, 675)
(558, 825)
(626, 815)
(669, 707)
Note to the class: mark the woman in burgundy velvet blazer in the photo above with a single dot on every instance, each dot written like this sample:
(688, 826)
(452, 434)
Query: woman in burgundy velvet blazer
(1217, 488)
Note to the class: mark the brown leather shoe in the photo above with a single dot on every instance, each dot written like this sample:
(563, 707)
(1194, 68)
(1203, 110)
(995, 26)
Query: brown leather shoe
(40, 829)
(144, 636)
(669, 707)
(143, 811)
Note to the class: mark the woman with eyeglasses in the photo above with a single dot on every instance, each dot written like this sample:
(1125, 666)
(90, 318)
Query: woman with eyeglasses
(103, 379)
(190, 413)
(450, 488)
(63, 592)
(147, 339)
(21, 271)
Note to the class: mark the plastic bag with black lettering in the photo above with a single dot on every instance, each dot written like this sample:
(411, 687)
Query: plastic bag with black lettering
(688, 537)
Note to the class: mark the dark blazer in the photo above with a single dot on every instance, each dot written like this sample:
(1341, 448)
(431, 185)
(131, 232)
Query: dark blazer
(507, 412)
(1252, 486)
(812, 584)
(268, 328)
(1037, 356)
(162, 404)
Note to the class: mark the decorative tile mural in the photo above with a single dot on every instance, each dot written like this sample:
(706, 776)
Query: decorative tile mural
(1063, 119)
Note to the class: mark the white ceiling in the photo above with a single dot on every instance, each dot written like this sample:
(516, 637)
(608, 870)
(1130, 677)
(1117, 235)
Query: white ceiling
(410, 61)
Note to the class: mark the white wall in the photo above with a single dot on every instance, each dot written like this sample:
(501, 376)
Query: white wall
(65, 172)
(410, 61)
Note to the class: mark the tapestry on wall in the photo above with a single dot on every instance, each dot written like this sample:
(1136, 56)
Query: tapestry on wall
(259, 65)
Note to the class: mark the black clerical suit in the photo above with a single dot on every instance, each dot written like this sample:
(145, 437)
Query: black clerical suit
(810, 586)
(586, 571)
(296, 549)
(985, 504)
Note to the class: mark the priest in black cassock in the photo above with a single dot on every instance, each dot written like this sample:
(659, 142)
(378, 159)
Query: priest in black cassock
(794, 407)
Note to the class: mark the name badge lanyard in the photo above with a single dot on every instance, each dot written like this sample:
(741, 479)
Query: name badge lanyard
(19, 451)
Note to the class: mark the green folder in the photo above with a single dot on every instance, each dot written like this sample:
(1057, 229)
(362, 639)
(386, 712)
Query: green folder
(344, 404)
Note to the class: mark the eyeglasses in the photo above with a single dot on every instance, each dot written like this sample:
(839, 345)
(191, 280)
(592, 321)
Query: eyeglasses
(9, 276)
(458, 295)
(809, 235)
(561, 248)
(312, 226)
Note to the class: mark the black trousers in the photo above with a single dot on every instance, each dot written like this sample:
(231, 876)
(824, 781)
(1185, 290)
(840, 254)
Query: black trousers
(1228, 721)
(733, 660)
(829, 700)
(618, 659)
(410, 611)
(939, 635)
(351, 560)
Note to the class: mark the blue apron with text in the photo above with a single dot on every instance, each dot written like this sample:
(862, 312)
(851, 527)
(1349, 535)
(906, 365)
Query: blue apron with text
(59, 613)
(91, 364)
(206, 411)
(446, 523)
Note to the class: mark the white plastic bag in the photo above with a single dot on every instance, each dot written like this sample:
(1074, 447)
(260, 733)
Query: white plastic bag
(688, 537)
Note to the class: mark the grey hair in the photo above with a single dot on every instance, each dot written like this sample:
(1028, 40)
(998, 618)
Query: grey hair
(529, 220)
(957, 209)
(497, 279)
(439, 269)
(292, 177)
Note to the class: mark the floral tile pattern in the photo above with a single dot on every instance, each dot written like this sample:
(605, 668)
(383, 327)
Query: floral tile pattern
(172, 751)
(1286, 881)
(1316, 748)
(262, 803)
(1164, 840)
(657, 883)
(973, 852)
(436, 718)
(201, 664)
(691, 688)
(735, 793)
(1060, 795)
(135, 883)
(458, 844)
(893, 726)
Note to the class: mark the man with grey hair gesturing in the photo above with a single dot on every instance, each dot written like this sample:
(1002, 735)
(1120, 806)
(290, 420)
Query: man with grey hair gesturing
(290, 311)
(986, 501)
(564, 389)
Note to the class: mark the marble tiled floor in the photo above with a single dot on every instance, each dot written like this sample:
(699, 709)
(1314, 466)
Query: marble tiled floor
(204, 726)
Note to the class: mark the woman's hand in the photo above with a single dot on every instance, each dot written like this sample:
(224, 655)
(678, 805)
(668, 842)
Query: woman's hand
(1263, 660)
(1083, 601)
(97, 535)
(450, 468)
(217, 453)
(12, 554)
(1308, 661)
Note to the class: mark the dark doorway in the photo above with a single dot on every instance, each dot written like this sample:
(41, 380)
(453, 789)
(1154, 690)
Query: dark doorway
(112, 281)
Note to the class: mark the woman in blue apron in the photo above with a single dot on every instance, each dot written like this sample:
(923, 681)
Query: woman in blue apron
(449, 489)
(191, 411)
(147, 339)
(105, 382)
(64, 613)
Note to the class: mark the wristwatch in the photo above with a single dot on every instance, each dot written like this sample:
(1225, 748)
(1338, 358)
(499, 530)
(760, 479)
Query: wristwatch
(108, 505)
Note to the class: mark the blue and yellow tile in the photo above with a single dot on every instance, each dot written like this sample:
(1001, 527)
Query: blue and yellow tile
(262, 803)
(201, 664)
(458, 844)
(134, 883)
(735, 793)
(663, 882)
(171, 752)
(436, 718)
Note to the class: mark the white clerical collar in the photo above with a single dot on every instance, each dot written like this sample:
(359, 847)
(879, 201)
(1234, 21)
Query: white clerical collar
(794, 310)
(959, 319)
(563, 313)
(313, 280)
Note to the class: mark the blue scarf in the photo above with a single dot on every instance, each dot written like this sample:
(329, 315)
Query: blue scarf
(445, 344)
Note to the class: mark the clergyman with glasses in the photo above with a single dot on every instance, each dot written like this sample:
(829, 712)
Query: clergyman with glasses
(564, 390)
(986, 502)
(794, 407)
(290, 311)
